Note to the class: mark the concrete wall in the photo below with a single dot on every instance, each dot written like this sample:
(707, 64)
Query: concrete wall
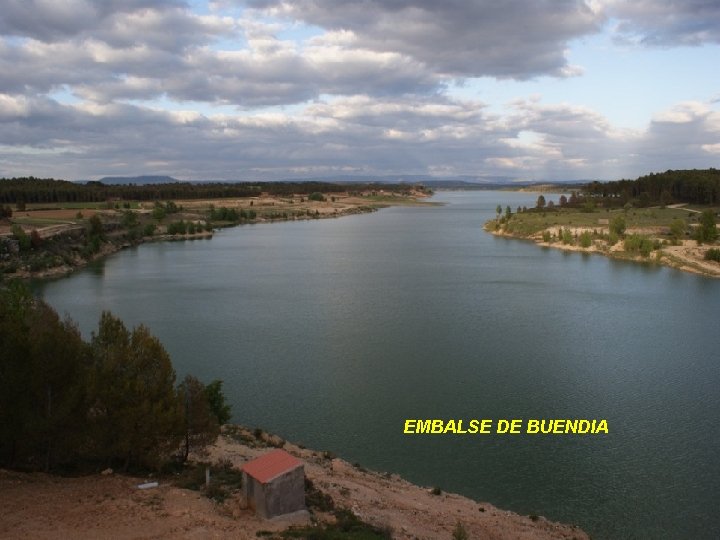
(283, 495)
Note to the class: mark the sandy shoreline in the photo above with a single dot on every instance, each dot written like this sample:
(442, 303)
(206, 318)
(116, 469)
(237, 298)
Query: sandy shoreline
(687, 256)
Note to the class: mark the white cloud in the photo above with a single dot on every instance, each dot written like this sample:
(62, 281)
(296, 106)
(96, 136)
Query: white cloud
(364, 90)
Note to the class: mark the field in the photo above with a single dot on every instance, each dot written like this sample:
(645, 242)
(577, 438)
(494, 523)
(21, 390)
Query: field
(655, 220)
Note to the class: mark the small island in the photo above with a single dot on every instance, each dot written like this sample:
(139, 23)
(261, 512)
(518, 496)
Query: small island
(668, 218)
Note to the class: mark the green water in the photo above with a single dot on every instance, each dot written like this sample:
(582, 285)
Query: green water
(331, 333)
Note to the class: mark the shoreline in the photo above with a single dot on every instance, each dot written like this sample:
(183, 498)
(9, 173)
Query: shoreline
(685, 257)
(105, 504)
(350, 207)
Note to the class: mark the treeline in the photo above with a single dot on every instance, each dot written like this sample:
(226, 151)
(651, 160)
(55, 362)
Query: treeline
(112, 401)
(697, 186)
(48, 190)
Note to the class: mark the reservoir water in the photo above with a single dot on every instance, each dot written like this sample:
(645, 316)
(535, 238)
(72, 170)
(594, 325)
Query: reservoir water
(332, 332)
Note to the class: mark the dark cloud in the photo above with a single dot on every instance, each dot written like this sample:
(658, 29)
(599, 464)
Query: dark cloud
(267, 72)
(50, 20)
(373, 83)
(667, 22)
(510, 39)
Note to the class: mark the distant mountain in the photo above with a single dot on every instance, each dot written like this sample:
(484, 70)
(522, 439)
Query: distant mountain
(437, 182)
(137, 180)
(405, 179)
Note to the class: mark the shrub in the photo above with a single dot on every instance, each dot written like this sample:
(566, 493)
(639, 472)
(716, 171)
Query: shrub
(638, 243)
(677, 229)
(586, 239)
(712, 255)
(21, 236)
(707, 231)
(617, 225)
(459, 532)
(546, 236)
(316, 196)
(177, 227)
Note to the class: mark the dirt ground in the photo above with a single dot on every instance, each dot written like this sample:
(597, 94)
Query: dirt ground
(111, 506)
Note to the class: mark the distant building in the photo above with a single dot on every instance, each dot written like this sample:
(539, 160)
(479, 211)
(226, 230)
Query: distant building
(274, 484)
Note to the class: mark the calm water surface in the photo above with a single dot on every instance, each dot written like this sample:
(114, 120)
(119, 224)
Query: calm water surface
(331, 333)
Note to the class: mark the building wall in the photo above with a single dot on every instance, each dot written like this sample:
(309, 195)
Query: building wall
(283, 495)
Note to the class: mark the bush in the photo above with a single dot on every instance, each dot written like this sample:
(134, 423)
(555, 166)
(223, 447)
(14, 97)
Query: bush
(712, 255)
(177, 227)
(707, 230)
(586, 239)
(567, 237)
(459, 532)
(617, 225)
(638, 243)
(21, 236)
(316, 196)
(677, 229)
(546, 237)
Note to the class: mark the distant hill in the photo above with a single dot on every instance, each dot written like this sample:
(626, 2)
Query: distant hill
(137, 180)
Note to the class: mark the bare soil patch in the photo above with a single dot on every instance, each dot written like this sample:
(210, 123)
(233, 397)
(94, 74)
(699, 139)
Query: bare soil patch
(111, 506)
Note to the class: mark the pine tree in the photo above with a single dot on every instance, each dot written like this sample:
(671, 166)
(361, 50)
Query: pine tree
(200, 425)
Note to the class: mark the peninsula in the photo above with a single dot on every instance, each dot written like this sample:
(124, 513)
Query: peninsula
(668, 219)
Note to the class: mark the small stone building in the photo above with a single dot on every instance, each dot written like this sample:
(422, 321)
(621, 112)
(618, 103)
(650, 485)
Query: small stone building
(274, 484)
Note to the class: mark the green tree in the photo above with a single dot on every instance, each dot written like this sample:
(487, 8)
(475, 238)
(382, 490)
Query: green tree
(540, 202)
(159, 213)
(665, 198)
(498, 211)
(677, 229)
(135, 405)
(95, 227)
(42, 380)
(129, 219)
(58, 357)
(508, 212)
(21, 236)
(216, 401)
(617, 225)
(707, 229)
(200, 425)
(15, 371)
(585, 239)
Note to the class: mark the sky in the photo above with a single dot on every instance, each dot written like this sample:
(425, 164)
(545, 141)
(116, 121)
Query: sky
(272, 89)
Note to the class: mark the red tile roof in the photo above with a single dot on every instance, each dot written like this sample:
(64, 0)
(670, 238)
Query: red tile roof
(271, 465)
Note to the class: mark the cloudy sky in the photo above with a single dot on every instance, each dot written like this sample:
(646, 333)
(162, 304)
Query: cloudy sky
(265, 89)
